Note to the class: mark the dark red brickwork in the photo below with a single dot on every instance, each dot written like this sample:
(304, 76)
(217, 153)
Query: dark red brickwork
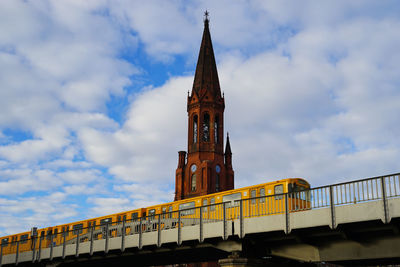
(205, 168)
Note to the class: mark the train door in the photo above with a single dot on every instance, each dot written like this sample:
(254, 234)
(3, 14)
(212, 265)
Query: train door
(4, 245)
(204, 208)
(232, 203)
(252, 205)
(278, 202)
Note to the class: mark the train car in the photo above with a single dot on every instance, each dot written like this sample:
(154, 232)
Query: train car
(286, 195)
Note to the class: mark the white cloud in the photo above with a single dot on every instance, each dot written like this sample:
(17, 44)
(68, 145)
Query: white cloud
(311, 90)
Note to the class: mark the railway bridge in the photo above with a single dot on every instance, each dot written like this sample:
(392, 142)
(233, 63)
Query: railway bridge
(349, 223)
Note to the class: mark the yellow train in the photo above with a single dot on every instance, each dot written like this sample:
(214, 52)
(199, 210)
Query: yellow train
(258, 200)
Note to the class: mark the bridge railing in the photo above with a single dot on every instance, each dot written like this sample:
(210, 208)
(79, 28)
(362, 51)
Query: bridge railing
(371, 189)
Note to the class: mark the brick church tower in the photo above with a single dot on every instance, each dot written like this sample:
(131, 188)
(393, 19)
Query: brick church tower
(205, 168)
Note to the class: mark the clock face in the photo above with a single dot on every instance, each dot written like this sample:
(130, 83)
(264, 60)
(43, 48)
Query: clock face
(193, 168)
(217, 168)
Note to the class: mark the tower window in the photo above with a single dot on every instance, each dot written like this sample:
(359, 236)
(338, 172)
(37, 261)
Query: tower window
(206, 128)
(216, 125)
(217, 182)
(194, 182)
(195, 129)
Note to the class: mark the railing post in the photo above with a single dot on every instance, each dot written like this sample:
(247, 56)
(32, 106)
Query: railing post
(140, 233)
(287, 229)
(159, 231)
(332, 204)
(91, 239)
(64, 243)
(77, 245)
(225, 223)
(33, 248)
(40, 249)
(384, 199)
(107, 237)
(179, 229)
(51, 246)
(123, 234)
(17, 254)
(201, 225)
(241, 219)
(1, 253)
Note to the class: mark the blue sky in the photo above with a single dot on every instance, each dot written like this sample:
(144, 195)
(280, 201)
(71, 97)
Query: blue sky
(93, 98)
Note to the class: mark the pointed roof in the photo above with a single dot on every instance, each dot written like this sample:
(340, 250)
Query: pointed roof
(206, 76)
(228, 146)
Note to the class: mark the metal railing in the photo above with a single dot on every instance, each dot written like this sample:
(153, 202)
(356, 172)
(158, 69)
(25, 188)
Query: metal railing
(372, 189)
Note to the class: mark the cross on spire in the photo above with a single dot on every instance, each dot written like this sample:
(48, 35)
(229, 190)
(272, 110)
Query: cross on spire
(206, 14)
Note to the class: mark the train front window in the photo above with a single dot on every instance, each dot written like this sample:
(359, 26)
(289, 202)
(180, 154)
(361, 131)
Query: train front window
(299, 191)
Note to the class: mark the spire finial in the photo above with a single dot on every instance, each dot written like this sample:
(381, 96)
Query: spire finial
(206, 14)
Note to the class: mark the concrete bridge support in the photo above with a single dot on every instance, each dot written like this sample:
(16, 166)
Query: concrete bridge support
(235, 260)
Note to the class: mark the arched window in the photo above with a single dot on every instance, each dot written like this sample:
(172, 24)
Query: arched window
(193, 182)
(216, 128)
(217, 182)
(195, 129)
(206, 128)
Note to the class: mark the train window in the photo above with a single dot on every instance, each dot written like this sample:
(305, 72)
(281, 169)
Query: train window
(119, 219)
(212, 202)
(204, 204)
(23, 239)
(134, 216)
(278, 189)
(187, 207)
(77, 228)
(48, 235)
(170, 212)
(302, 182)
(232, 199)
(105, 221)
(152, 214)
(92, 224)
(262, 194)
(163, 211)
(4, 242)
(253, 194)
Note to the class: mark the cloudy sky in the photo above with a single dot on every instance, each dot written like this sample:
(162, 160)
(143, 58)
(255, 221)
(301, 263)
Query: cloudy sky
(93, 97)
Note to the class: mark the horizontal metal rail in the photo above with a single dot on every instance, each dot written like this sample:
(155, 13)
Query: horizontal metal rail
(379, 188)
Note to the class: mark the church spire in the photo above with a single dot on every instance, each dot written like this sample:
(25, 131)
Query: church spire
(228, 146)
(204, 169)
(206, 75)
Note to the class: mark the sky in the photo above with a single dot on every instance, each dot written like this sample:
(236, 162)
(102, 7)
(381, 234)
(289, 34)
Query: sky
(93, 98)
